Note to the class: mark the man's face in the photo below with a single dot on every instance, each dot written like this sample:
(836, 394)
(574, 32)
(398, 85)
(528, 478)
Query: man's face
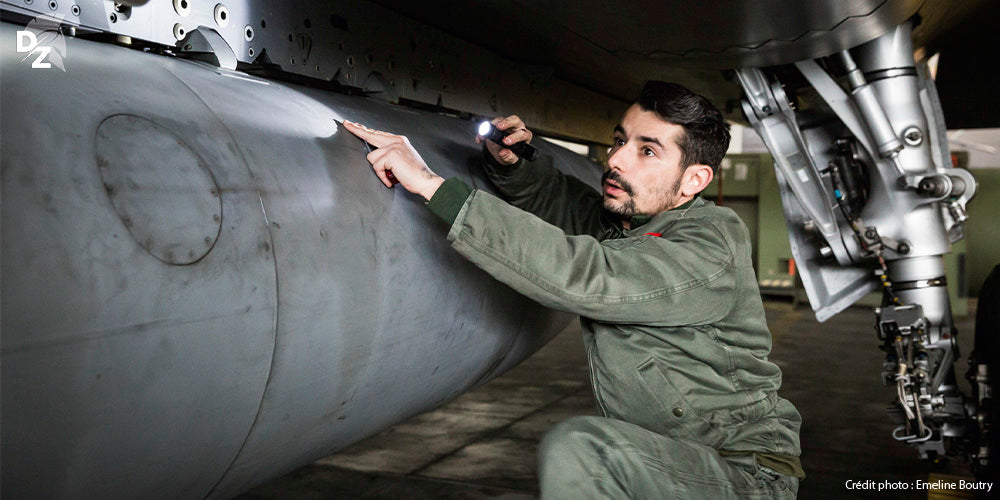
(644, 173)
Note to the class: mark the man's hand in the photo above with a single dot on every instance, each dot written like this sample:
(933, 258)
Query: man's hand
(518, 133)
(396, 157)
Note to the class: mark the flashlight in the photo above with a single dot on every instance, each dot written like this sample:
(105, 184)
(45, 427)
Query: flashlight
(522, 149)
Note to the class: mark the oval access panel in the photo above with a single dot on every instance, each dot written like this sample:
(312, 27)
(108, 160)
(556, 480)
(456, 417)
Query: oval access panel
(163, 191)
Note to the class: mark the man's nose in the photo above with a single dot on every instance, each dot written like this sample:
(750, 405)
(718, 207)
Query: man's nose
(615, 159)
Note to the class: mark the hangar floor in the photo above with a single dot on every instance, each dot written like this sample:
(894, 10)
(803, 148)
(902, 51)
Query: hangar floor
(482, 445)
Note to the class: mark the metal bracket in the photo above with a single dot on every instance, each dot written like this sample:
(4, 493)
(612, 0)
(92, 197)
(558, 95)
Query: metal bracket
(900, 320)
(206, 44)
(954, 189)
(768, 111)
(838, 101)
(938, 187)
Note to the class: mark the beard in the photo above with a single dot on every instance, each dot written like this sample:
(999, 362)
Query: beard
(626, 209)
(623, 209)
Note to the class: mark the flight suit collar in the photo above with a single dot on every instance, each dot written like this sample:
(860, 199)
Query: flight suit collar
(638, 221)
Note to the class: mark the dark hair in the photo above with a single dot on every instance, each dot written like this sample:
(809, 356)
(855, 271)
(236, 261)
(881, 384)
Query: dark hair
(706, 133)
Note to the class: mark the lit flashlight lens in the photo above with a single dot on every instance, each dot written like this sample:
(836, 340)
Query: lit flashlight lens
(484, 129)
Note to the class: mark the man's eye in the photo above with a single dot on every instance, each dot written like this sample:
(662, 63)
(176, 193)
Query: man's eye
(648, 152)
(619, 141)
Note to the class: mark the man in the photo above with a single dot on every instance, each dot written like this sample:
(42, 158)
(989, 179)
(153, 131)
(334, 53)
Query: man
(672, 318)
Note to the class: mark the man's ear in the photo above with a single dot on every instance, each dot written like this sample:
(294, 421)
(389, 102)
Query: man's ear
(695, 178)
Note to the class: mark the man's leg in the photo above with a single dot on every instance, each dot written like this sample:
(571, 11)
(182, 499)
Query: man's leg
(595, 457)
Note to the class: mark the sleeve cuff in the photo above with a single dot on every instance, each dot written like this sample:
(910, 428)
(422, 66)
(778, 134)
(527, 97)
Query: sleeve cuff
(449, 199)
(491, 162)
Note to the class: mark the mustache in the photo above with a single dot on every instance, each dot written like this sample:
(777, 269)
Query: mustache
(611, 175)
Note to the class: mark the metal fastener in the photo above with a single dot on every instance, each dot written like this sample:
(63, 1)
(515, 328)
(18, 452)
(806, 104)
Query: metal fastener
(913, 136)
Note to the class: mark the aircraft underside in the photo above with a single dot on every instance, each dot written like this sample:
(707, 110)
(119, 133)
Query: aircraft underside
(204, 286)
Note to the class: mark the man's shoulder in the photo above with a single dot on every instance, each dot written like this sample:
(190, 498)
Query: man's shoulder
(699, 212)
(709, 211)
(703, 224)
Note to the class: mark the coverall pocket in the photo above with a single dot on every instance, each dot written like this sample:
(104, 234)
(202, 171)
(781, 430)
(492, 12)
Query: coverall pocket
(671, 414)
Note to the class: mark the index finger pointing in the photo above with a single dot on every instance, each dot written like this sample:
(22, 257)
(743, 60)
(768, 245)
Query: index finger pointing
(376, 138)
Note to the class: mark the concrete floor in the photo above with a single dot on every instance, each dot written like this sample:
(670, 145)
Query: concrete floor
(482, 445)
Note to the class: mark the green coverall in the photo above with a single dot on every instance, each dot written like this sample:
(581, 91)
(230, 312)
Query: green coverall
(674, 332)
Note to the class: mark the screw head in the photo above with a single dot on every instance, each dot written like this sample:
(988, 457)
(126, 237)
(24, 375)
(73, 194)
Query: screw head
(913, 136)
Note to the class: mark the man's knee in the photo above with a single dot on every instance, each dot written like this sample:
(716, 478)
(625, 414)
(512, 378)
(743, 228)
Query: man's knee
(571, 439)
(570, 459)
